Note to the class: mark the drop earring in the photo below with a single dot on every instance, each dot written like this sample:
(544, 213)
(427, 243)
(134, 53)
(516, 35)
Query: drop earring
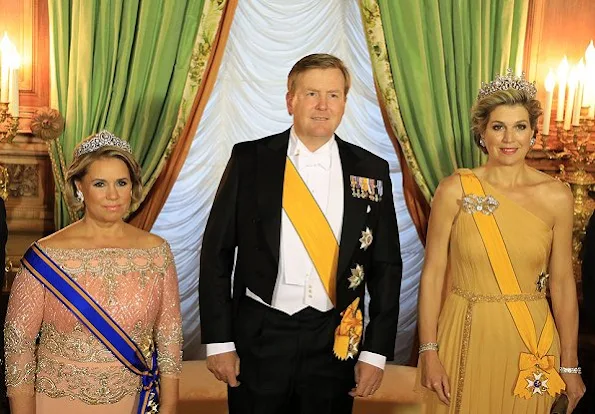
(79, 196)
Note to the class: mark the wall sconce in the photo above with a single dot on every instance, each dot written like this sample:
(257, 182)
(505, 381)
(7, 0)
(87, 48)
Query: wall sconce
(10, 62)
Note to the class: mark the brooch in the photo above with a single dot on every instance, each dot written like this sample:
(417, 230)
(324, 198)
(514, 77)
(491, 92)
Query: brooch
(366, 188)
(366, 239)
(477, 204)
(357, 276)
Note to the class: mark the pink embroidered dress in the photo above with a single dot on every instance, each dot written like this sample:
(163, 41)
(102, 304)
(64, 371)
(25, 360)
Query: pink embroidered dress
(49, 353)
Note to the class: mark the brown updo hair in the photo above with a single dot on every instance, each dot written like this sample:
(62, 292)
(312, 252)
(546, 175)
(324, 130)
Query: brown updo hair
(480, 113)
(80, 166)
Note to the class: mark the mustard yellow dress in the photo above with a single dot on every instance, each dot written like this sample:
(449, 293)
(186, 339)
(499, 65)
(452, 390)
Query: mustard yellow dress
(479, 342)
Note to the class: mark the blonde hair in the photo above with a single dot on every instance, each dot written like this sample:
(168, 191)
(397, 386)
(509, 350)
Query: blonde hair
(80, 166)
(480, 113)
(317, 61)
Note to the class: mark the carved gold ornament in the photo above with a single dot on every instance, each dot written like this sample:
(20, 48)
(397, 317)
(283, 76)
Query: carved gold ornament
(47, 124)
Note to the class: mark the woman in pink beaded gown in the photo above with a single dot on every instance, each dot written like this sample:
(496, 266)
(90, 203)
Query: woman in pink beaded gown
(54, 363)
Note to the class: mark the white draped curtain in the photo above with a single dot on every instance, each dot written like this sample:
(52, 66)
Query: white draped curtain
(248, 102)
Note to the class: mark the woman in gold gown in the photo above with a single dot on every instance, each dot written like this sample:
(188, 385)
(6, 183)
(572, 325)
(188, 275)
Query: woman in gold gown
(496, 235)
(54, 362)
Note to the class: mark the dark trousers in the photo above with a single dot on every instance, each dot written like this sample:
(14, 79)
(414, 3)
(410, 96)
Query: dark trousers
(287, 364)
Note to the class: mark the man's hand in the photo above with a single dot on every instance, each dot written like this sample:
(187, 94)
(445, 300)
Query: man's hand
(225, 367)
(367, 380)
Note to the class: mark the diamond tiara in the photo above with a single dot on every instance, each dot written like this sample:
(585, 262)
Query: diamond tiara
(100, 140)
(510, 81)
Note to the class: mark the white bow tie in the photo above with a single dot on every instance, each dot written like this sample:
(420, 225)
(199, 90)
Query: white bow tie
(315, 160)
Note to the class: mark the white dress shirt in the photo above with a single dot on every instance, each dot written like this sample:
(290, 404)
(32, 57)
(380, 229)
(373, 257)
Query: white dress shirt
(298, 284)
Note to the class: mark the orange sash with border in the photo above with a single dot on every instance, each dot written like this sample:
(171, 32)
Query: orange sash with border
(535, 365)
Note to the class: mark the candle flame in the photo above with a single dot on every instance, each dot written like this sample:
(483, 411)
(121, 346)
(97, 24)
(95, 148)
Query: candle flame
(590, 54)
(10, 56)
(563, 69)
(550, 81)
(5, 44)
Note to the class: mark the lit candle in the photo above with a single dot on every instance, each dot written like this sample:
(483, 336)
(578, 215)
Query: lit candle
(5, 72)
(14, 91)
(572, 81)
(578, 99)
(14, 62)
(589, 98)
(562, 74)
(550, 82)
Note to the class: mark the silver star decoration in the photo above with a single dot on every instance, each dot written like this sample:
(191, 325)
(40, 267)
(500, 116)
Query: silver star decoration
(357, 276)
(542, 281)
(537, 384)
(366, 239)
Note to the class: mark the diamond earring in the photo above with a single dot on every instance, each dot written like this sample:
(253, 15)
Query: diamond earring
(482, 142)
(79, 196)
(532, 142)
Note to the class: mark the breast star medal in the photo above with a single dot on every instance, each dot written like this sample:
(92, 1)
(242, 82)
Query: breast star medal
(542, 281)
(357, 276)
(366, 239)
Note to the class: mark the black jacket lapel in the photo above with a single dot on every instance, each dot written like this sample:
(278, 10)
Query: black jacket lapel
(271, 156)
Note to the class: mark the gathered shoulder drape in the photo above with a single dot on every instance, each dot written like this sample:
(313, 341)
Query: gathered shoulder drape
(429, 58)
(125, 66)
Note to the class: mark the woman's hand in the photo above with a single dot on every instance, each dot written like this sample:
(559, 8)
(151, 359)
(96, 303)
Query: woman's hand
(575, 389)
(434, 377)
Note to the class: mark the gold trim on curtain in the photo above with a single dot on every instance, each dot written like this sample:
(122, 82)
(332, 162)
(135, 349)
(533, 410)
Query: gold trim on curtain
(204, 68)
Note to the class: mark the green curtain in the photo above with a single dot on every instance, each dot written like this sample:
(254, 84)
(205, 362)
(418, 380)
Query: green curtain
(429, 58)
(120, 65)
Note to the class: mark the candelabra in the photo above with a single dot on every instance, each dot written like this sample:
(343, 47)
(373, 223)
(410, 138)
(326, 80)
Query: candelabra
(579, 151)
(9, 124)
(3, 182)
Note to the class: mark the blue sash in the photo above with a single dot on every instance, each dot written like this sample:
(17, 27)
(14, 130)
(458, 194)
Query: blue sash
(98, 321)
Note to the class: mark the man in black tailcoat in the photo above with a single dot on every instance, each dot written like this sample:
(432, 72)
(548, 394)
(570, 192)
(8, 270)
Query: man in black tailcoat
(312, 221)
